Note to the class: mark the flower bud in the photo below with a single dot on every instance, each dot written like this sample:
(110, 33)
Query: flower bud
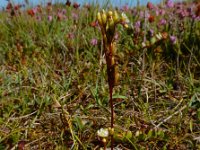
(110, 13)
(116, 17)
(111, 23)
(104, 140)
(104, 17)
(126, 26)
(99, 18)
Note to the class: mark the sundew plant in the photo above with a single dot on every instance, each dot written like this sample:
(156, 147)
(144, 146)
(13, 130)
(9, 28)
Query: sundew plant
(90, 76)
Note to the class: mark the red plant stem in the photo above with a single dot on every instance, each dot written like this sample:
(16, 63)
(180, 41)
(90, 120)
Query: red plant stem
(111, 106)
(111, 86)
(108, 49)
(104, 146)
(112, 115)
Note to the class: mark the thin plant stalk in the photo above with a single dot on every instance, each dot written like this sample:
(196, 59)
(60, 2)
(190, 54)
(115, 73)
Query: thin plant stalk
(108, 21)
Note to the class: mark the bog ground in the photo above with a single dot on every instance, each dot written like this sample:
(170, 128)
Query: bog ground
(54, 91)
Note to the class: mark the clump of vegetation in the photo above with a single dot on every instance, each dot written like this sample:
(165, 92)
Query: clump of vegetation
(54, 82)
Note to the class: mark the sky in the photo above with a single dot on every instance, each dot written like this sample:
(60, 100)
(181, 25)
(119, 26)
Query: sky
(3, 3)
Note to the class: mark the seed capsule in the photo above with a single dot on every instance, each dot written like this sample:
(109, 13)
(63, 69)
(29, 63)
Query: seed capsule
(99, 18)
(104, 17)
(110, 13)
(116, 75)
(104, 140)
(111, 23)
(116, 17)
(113, 50)
(126, 26)
(112, 61)
(116, 79)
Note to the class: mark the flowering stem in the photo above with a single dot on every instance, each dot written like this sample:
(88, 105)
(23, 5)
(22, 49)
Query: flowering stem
(108, 49)
(108, 22)
(110, 73)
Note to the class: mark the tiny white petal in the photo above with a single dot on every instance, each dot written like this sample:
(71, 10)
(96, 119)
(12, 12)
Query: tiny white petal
(125, 18)
(143, 44)
(103, 132)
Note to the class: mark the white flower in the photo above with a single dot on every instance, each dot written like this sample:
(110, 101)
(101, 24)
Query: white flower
(125, 18)
(103, 132)
(144, 44)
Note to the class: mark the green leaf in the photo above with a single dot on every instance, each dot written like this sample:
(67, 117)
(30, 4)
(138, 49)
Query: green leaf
(142, 137)
(191, 125)
(79, 122)
(119, 96)
(150, 134)
(161, 134)
(195, 101)
(129, 134)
